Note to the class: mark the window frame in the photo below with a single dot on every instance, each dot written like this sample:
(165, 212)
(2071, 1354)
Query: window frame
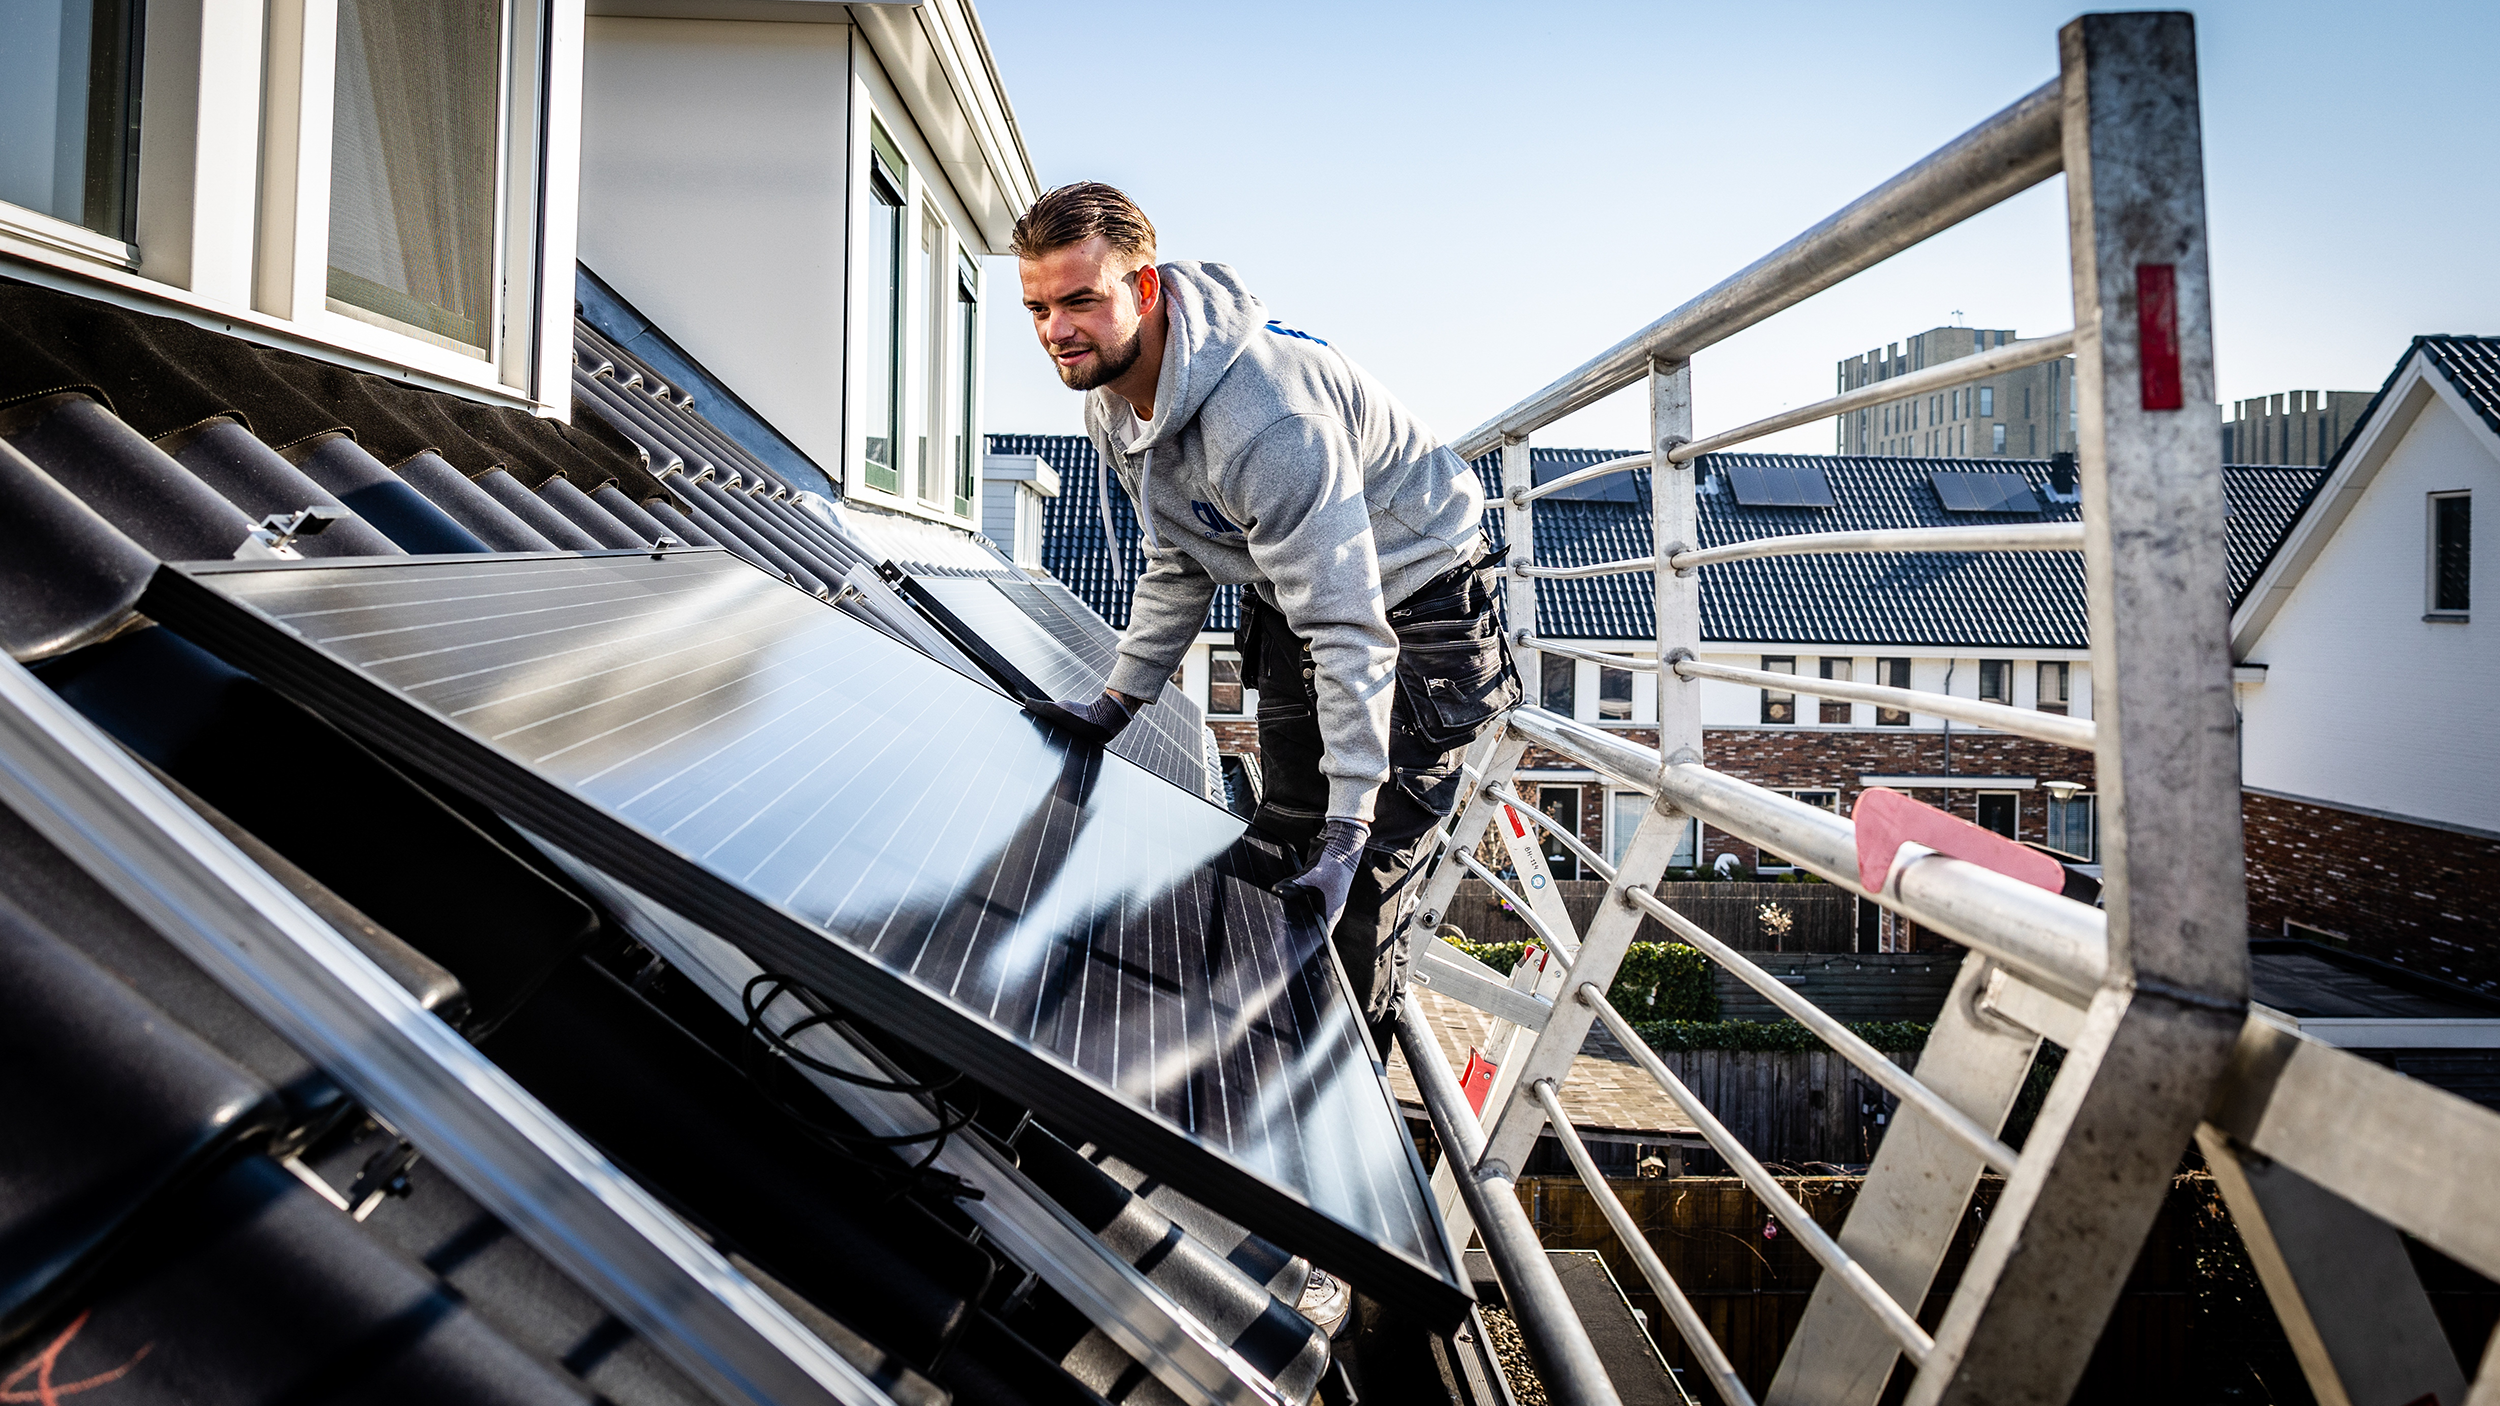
(888, 189)
(2003, 670)
(1774, 700)
(1220, 654)
(2434, 556)
(76, 236)
(1549, 667)
(1607, 677)
(1899, 670)
(966, 400)
(231, 220)
(2055, 826)
(1826, 707)
(1987, 402)
(2013, 801)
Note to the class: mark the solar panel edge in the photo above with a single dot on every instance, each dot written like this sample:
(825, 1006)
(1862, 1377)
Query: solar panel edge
(377, 713)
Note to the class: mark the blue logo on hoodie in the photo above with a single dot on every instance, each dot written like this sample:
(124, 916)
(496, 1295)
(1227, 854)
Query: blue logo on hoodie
(1217, 525)
(1282, 330)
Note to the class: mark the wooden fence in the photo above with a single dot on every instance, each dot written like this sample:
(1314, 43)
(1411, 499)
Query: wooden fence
(1822, 918)
(1848, 985)
(1750, 1281)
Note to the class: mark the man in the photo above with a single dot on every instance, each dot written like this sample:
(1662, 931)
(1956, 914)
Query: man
(1260, 455)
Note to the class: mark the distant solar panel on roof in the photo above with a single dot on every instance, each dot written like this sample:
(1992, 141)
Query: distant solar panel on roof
(1044, 917)
(1064, 661)
(1778, 485)
(1985, 493)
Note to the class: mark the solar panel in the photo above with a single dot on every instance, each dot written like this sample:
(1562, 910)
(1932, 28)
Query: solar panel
(1047, 918)
(1984, 493)
(1779, 485)
(1040, 644)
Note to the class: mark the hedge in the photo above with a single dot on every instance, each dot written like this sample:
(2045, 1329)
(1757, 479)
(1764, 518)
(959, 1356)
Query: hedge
(1657, 981)
(1894, 1035)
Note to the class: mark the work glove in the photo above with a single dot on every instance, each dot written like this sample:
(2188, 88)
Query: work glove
(1321, 889)
(1097, 722)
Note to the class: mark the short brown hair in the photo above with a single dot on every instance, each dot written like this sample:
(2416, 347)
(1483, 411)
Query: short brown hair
(1075, 213)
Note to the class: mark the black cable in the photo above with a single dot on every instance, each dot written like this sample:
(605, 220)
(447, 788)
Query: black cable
(766, 1040)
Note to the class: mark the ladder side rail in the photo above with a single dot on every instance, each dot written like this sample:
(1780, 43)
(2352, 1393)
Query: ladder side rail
(1909, 1209)
(1996, 537)
(1912, 1091)
(2158, 1037)
(1680, 1310)
(1555, 1336)
(2079, 733)
(1837, 1263)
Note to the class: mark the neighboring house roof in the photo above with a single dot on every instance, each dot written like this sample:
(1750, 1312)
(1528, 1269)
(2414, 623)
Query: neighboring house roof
(1910, 600)
(2471, 364)
(2467, 378)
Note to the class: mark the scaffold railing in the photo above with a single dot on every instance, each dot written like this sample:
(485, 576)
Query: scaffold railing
(2323, 1157)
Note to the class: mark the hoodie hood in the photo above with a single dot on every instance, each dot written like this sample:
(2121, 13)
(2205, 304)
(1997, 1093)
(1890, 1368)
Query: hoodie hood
(1211, 318)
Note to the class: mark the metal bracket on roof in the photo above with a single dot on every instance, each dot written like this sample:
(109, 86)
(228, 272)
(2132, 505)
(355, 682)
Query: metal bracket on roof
(660, 546)
(275, 537)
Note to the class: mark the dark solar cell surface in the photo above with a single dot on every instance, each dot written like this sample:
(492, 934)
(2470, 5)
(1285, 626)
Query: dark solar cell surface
(1984, 493)
(1054, 921)
(1779, 484)
(1064, 662)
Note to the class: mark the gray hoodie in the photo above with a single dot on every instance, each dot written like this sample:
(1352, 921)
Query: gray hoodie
(1273, 460)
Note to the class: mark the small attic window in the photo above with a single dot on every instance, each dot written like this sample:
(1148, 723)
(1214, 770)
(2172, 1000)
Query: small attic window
(1985, 493)
(1779, 485)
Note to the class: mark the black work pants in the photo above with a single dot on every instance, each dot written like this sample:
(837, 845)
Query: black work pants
(1454, 674)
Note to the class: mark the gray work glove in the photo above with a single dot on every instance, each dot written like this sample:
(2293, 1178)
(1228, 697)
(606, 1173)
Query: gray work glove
(1097, 722)
(1322, 888)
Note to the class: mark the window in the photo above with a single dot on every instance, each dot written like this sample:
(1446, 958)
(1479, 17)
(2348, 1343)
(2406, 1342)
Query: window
(1561, 804)
(2452, 547)
(1835, 710)
(881, 394)
(2073, 826)
(1614, 695)
(415, 138)
(2053, 682)
(1555, 687)
(1778, 706)
(1996, 812)
(1996, 681)
(968, 388)
(1999, 435)
(1625, 810)
(2026, 402)
(69, 111)
(1892, 673)
(2034, 432)
(1987, 401)
(928, 461)
(1820, 800)
(1224, 683)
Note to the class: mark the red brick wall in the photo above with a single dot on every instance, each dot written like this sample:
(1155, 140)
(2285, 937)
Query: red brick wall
(2410, 894)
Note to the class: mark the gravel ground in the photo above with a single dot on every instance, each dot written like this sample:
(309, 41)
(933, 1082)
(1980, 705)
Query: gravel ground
(1511, 1351)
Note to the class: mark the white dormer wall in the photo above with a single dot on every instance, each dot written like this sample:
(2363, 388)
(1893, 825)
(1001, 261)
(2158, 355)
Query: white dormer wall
(725, 193)
(1727, 705)
(2366, 703)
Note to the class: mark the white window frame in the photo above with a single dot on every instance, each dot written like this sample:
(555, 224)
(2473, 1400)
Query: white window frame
(934, 362)
(2431, 610)
(2048, 836)
(234, 184)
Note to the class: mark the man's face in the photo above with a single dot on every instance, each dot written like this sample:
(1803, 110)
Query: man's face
(1087, 306)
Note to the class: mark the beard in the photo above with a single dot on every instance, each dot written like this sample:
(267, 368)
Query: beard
(1106, 367)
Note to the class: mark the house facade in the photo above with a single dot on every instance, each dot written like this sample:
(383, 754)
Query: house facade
(2366, 749)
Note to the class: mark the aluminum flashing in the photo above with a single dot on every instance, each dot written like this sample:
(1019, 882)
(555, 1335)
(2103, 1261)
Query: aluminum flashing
(910, 844)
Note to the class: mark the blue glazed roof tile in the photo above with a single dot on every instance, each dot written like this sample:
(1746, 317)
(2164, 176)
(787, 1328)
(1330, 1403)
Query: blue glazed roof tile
(2007, 600)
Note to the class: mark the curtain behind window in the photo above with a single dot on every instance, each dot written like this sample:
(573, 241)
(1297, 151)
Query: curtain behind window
(412, 164)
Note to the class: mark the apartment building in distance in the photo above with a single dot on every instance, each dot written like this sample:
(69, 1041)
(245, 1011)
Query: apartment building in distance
(2295, 427)
(2027, 413)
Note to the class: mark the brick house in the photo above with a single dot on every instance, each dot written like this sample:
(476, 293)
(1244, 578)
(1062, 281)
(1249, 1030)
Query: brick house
(2371, 771)
(2003, 626)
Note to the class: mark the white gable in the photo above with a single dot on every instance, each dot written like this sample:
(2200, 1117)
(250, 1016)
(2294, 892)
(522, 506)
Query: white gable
(2366, 703)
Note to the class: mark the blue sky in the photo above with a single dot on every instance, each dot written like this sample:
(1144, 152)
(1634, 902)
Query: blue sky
(1472, 199)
